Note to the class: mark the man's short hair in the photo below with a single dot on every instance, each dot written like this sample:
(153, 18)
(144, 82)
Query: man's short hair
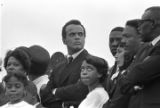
(155, 13)
(75, 22)
(117, 29)
(153, 8)
(133, 23)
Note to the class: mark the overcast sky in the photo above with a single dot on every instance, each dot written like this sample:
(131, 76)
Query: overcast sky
(29, 22)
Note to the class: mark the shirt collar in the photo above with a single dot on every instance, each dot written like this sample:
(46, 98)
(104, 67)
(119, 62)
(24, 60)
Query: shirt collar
(75, 54)
(155, 40)
(39, 79)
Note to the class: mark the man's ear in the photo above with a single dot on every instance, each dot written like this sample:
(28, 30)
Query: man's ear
(64, 41)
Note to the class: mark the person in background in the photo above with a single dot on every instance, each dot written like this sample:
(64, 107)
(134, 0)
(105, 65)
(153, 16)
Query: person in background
(93, 72)
(133, 44)
(115, 38)
(126, 51)
(116, 98)
(17, 60)
(64, 88)
(146, 73)
(15, 89)
(39, 62)
(56, 59)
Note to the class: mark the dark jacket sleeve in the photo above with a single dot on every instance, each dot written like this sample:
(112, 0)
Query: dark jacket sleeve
(72, 91)
(144, 72)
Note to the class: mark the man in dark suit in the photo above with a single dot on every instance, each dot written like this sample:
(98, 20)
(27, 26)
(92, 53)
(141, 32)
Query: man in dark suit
(130, 42)
(146, 74)
(115, 37)
(64, 86)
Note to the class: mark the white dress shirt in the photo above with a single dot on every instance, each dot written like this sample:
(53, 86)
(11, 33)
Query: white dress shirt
(21, 104)
(154, 41)
(95, 99)
(40, 81)
(75, 54)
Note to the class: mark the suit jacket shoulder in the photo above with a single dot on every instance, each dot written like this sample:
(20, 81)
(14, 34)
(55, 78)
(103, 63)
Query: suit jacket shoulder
(65, 78)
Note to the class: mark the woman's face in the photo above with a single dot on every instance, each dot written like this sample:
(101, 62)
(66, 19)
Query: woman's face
(89, 74)
(13, 65)
(14, 90)
(120, 56)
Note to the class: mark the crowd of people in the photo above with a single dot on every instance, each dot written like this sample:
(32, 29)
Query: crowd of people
(82, 80)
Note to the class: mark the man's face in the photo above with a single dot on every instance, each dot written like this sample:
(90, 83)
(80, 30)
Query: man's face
(131, 39)
(146, 26)
(75, 38)
(114, 40)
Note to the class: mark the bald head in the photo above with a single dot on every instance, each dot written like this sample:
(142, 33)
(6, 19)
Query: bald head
(149, 26)
(152, 13)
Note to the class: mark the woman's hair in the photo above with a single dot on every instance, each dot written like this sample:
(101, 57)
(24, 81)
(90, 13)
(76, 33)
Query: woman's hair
(20, 77)
(100, 64)
(21, 55)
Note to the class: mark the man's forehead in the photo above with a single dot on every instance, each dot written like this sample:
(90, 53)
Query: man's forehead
(74, 27)
(128, 29)
(116, 34)
(151, 14)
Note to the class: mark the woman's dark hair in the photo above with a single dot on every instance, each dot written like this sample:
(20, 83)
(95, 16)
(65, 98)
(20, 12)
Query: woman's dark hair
(20, 77)
(100, 64)
(21, 55)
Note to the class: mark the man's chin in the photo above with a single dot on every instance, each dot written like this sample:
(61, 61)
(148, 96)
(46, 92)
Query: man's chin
(77, 49)
(114, 52)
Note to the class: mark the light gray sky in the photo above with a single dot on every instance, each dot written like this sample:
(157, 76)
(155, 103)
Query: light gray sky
(28, 22)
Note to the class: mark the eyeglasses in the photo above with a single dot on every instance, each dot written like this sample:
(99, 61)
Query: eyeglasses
(146, 20)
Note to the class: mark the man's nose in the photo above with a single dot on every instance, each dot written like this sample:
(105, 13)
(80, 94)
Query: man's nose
(77, 36)
(115, 43)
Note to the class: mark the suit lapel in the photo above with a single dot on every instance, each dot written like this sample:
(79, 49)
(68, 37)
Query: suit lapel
(142, 53)
(70, 68)
(157, 45)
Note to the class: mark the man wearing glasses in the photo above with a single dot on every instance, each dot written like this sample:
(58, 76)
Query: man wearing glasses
(147, 73)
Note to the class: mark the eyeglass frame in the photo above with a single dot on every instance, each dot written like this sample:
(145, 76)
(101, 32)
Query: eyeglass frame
(146, 20)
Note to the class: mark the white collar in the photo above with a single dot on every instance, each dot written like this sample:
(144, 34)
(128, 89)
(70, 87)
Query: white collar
(39, 79)
(155, 40)
(18, 105)
(75, 54)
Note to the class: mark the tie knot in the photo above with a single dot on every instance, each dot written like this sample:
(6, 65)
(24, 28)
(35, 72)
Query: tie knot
(70, 59)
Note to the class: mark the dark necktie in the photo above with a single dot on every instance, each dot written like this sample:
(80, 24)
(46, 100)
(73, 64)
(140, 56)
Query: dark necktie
(70, 59)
